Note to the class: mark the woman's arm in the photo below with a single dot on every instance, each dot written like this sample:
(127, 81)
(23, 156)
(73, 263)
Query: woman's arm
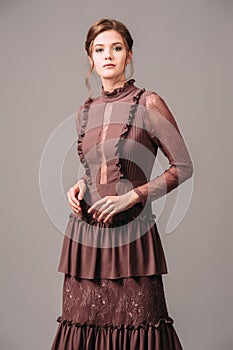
(162, 128)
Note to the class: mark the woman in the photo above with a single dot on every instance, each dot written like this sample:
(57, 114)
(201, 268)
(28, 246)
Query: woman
(112, 257)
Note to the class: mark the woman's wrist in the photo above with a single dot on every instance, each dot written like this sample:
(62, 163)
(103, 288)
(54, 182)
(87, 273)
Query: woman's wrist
(134, 197)
(81, 179)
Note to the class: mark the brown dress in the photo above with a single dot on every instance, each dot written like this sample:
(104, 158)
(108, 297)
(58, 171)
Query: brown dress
(113, 295)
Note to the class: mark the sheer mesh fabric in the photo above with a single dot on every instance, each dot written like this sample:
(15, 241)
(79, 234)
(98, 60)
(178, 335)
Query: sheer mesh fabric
(164, 133)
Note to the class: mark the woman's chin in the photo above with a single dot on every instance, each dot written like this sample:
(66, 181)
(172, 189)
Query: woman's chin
(109, 76)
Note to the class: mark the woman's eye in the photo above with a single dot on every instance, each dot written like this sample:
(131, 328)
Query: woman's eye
(118, 48)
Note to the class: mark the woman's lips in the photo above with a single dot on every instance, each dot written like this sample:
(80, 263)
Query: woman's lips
(109, 65)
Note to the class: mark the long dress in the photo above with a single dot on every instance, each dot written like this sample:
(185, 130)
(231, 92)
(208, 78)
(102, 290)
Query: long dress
(113, 294)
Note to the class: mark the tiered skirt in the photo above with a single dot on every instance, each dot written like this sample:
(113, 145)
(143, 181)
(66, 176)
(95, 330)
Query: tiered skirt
(123, 314)
(113, 293)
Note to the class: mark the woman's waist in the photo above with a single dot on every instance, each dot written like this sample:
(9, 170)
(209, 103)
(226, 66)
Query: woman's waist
(99, 191)
(113, 188)
(135, 212)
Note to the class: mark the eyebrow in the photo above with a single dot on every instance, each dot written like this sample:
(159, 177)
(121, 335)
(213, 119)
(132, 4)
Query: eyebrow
(112, 44)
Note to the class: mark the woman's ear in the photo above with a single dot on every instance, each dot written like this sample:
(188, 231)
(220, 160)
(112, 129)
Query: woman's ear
(129, 58)
(91, 60)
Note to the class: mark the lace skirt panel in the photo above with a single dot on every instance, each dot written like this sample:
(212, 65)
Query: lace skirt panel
(133, 300)
(128, 313)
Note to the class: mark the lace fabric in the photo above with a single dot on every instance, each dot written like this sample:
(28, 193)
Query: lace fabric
(137, 301)
(125, 314)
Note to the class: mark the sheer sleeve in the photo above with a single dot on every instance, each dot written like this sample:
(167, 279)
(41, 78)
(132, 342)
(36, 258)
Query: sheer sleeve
(162, 129)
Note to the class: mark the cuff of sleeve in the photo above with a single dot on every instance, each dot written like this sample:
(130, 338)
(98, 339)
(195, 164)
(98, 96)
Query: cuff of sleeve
(142, 196)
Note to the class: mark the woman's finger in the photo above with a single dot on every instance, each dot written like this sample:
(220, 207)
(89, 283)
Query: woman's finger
(96, 206)
(75, 208)
(103, 207)
(73, 203)
(104, 210)
(77, 211)
(82, 190)
(71, 200)
(73, 193)
(109, 216)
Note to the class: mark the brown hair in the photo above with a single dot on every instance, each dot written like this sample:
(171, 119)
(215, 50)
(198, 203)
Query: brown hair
(100, 26)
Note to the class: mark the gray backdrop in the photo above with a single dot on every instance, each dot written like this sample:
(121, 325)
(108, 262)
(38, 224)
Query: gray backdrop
(183, 51)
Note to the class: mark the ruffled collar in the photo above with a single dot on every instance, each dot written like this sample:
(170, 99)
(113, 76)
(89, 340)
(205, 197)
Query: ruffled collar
(119, 91)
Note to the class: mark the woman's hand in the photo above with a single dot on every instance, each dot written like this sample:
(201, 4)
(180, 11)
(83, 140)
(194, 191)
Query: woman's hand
(108, 206)
(79, 188)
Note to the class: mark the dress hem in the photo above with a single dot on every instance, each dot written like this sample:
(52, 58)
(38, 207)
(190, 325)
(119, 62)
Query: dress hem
(83, 336)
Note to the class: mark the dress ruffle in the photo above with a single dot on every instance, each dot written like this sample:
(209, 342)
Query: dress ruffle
(80, 140)
(118, 90)
(101, 250)
(123, 134)
(158, 336)
(125, 130)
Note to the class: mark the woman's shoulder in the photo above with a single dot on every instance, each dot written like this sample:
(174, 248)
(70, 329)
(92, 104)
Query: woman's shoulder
(158, 106)
(153, 98)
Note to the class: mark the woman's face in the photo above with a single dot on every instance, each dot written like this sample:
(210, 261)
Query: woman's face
(109, 55)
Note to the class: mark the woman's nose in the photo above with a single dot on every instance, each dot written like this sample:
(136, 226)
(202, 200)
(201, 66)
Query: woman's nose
(108, 54)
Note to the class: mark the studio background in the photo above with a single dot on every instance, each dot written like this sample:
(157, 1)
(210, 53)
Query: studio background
(183, 51)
